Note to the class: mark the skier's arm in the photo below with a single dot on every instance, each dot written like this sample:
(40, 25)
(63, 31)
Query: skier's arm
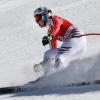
(57, 24)
(53, 43)
(52, 37)
(55, 32)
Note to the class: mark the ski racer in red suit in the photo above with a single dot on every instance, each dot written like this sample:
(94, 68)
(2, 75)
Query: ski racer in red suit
(59, 29)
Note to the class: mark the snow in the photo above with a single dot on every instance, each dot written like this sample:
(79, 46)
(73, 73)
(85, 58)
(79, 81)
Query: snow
(20, 49)
(79, 93)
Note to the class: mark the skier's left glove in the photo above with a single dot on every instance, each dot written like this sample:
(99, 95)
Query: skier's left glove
(46, 40)
(37, 67)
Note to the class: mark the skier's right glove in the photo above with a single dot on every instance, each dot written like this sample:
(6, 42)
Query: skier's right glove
(46, 40)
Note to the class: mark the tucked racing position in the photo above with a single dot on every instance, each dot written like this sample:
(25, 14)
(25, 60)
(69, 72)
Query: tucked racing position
(58, 29)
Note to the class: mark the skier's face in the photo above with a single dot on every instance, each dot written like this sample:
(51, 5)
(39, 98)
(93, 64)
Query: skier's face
(39, 21)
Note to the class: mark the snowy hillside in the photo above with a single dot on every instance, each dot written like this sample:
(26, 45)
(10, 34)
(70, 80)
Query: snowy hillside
(20, 48)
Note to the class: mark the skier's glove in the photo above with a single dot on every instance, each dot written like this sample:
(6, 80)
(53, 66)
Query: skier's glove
(38, 67)
(46, 40)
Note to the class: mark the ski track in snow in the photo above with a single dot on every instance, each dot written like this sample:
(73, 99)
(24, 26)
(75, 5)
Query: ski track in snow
(83, 93)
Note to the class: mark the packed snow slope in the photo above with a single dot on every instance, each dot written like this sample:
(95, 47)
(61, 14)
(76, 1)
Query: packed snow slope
(20, 41)
(20, 49)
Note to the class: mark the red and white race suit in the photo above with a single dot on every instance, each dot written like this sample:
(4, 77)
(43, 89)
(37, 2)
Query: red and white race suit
(61, 29)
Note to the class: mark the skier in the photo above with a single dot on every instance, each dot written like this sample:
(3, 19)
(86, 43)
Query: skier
(59, 29)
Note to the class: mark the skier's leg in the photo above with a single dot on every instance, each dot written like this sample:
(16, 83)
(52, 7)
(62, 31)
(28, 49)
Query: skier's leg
(69, 51)
(49, 60)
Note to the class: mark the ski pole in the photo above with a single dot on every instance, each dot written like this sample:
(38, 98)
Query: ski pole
(78, 36)
(89, 34)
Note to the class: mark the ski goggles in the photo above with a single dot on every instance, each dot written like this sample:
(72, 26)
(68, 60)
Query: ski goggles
(37, 18)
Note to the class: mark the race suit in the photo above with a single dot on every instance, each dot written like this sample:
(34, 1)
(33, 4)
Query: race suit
(61, 29)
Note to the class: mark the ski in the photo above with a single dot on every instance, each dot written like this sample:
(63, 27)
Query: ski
(8, 90)
(16, 89)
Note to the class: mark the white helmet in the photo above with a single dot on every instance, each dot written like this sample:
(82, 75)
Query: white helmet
(43, 12)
